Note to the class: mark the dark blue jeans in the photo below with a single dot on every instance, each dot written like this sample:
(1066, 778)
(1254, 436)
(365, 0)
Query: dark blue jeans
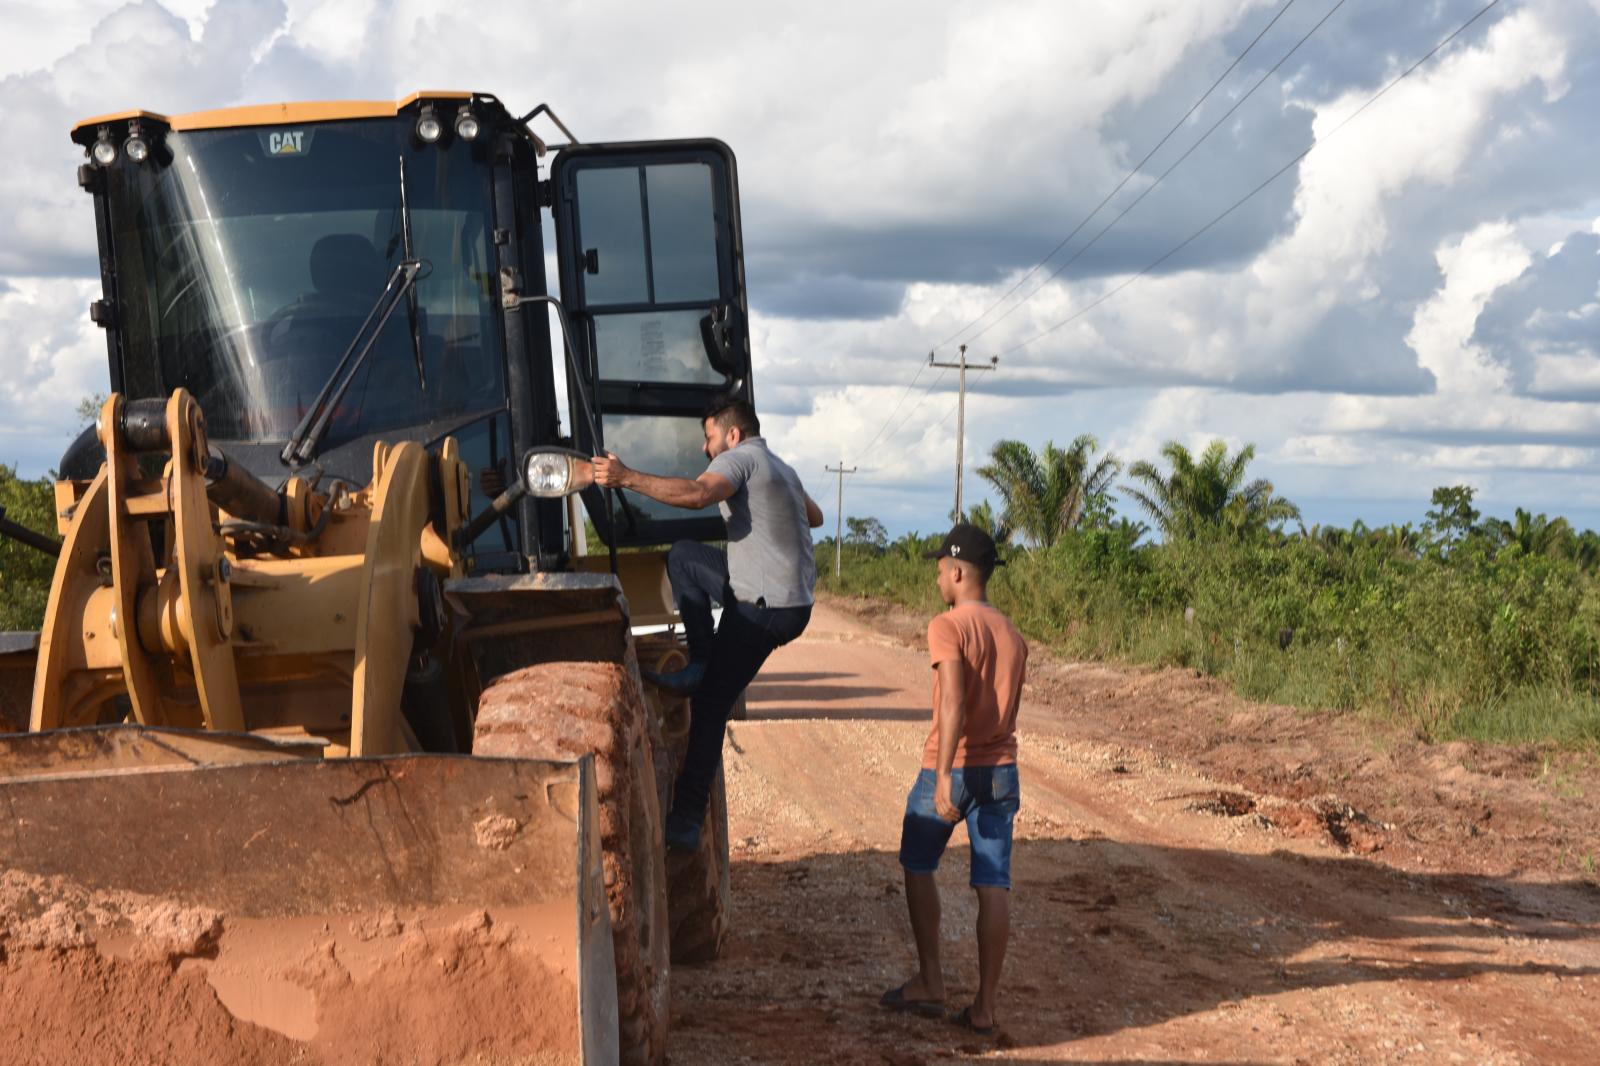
(733, 652)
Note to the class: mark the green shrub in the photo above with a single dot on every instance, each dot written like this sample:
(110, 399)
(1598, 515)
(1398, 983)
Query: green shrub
(1484, 641)
(25, 572)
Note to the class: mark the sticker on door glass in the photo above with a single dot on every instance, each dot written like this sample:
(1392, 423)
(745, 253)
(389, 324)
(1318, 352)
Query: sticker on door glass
(652, 347)
(665, 346)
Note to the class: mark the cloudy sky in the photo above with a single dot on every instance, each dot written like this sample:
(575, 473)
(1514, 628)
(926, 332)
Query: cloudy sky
(1414, 303)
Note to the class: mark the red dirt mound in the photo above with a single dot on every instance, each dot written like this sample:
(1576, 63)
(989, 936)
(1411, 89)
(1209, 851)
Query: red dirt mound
(115, 977)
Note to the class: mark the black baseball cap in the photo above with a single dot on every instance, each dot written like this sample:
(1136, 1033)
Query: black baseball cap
(969, 544)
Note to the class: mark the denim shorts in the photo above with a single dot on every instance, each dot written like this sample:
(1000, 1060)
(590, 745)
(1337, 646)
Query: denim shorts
(988, 798)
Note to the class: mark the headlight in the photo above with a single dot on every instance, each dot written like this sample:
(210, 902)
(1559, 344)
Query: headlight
(428, 126)
(105, 152)
(466, 125)
(550, 472)
(137, 149)
(547, 474)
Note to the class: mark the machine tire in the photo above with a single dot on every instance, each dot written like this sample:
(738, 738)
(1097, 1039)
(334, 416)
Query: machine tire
(698, 893)
(566, 709)
(697, 888)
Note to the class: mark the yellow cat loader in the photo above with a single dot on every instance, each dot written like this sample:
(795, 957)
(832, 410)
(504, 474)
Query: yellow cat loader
(336, 734)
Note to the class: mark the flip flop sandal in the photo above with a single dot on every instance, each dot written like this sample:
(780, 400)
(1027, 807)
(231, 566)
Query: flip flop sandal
(895, 1000)
(964, 1019)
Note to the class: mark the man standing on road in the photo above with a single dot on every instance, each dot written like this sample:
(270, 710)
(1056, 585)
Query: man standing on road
(969, 772)
(763, 583)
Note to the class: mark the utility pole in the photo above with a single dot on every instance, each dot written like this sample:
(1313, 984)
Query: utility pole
(838, 518)
(961, 410)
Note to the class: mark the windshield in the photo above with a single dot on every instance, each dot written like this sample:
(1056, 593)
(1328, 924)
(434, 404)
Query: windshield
(247, 263)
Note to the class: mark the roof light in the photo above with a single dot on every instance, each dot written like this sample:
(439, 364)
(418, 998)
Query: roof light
(104, 151)
(135, 146)
(429, 128)
(467, 127)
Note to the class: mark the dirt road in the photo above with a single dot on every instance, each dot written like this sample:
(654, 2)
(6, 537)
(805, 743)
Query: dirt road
(1197, 880)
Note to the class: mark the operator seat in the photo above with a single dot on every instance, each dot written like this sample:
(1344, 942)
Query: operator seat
(346, 270)
(346, 276)
(308, 336)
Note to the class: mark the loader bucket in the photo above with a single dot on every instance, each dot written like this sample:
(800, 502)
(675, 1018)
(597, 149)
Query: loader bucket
(172, 896)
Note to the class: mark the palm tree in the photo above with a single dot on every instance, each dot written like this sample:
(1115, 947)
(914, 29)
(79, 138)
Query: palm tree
(1210, 493)
(983, 516)
(1535, 534)
(1586, 549)
(1402, 541)
(1044, 494)
(1332, 539)
(1128, 530)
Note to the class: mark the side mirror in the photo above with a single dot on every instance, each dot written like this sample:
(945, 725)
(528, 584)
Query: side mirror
(716, 333)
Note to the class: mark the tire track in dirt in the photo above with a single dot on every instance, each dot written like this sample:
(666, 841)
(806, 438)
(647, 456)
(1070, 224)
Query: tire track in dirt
(1144, 927)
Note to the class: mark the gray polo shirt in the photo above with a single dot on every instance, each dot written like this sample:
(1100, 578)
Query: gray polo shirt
(769, 540)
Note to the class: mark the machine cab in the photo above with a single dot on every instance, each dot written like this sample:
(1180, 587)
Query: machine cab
(249, 254)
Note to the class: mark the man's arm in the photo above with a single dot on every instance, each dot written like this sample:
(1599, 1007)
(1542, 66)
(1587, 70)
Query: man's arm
(813, 512)
(707, 489)
(952, 712)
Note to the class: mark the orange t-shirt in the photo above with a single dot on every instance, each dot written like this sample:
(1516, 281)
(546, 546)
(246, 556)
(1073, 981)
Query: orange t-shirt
(995, 658)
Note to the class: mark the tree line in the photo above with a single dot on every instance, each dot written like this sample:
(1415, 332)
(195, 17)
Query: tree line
(1463, 625)
(1045, 494)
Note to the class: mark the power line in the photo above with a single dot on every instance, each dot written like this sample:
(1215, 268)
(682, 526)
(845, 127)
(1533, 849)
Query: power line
(1192, 237)
(1086, 219)
(897, 485)
(920, 401)
(1162, 176)
(1459, 30)
(1126, 177)
(904, 393)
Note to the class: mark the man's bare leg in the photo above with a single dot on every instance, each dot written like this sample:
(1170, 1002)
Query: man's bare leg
(994, 927)
(922, 900)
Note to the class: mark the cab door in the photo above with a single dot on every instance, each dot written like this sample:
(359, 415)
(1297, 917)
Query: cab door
(652, 275)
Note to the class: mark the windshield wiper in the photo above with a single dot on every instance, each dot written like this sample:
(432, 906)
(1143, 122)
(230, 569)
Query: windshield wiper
(302, 446)
(411, 298)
